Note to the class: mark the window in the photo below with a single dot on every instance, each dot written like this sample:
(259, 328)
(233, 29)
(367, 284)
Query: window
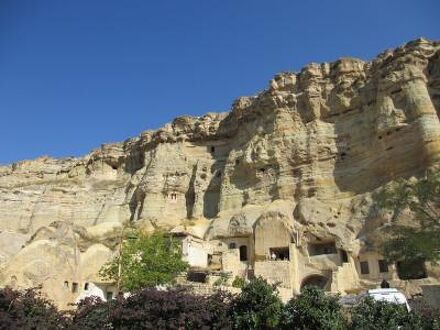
(173, 196)
(86, 286)
(66, 284)
(364, 267)
(74, 287)
(281, 253)
(196, 276)
(383, 266)
(109, 295)
(411, 270)
(243, 253)
(232, 245)
(212, 149)
(322, 248)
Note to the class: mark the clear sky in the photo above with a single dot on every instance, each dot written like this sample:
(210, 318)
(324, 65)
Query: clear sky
(78, 73)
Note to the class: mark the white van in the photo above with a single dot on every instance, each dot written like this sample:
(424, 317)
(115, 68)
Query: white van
(389, 295)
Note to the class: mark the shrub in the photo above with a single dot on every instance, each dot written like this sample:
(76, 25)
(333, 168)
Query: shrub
(238, 282)
(172, 309)
(222, 280)
(28, 310)
(375, 315)
(257, 307)
(312, 309)
(429, 313)
(92, 313)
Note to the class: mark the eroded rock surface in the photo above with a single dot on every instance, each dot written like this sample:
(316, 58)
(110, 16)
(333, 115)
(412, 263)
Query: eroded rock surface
(308, 151)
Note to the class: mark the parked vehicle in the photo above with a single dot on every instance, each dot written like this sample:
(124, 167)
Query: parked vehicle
(390, 295)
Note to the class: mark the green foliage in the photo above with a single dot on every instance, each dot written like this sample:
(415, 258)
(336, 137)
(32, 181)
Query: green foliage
(312, 309)
(422, 199)
(145, 261)
(378, 315)
(222, 280)
(238, 282)
(257, 307)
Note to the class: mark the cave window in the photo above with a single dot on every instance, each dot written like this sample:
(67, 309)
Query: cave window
(174, 196)
(262, 170)
(196, 276)
(74, 287)
(86, 286)
(109, 295)
(243, 253)
(322, 248)
(212, 149)
(237, 162)
(411, 269)
(344, 256)
(365, 269)
(383, 266)
(66, 284)
(232, 245)
(281, 253)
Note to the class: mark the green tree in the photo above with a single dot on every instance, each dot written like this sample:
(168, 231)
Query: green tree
(417, 240)
(257, 307)
(312, 309)
(378, 315)
(145, 261)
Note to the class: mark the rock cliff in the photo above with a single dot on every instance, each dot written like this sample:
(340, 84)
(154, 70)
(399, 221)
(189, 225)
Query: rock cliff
(309, 150)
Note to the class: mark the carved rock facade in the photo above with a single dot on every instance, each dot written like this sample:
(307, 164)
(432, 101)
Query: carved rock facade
(286, 173)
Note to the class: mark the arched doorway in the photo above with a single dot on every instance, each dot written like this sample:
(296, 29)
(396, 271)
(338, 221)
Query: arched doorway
(317, 280)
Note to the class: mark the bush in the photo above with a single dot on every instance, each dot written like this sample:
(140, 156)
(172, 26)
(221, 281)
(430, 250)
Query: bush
(92, 313)
(375, 315)
(257, 307)
(312, 309)
(429, 314)
(238, 282)
(222, 280)
(155, 309)
(28, 310)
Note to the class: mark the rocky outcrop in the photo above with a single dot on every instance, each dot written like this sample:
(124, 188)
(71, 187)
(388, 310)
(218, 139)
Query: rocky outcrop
(309, 149)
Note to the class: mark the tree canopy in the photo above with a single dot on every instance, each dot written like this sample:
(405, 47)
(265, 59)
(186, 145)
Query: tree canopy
(418, 239)
(145, 260)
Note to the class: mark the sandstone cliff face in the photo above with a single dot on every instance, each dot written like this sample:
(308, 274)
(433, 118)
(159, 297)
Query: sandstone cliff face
(309, 149)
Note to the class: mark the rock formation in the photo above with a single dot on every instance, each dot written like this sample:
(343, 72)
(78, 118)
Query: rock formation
(300, 160)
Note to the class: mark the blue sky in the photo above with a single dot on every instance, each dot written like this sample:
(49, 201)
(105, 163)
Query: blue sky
(78, 73)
